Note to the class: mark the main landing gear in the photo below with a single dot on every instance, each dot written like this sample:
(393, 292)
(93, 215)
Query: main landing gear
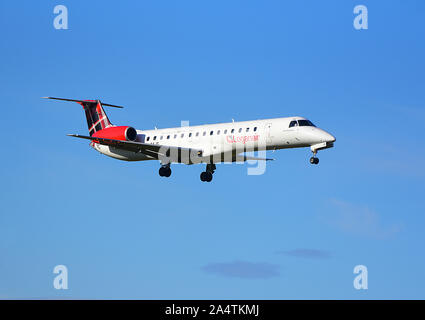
(314, 159)
(165, 170)
(207, 175)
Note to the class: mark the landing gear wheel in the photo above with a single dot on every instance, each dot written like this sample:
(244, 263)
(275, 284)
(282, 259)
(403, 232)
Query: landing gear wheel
(209, 177)
(161, 171)
(206, 176)
(314, 160)
(165, 171)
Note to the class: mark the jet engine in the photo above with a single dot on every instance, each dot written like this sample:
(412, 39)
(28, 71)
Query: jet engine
(117, 133)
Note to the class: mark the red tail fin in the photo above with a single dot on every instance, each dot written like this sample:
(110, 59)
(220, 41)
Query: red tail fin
(95, 115)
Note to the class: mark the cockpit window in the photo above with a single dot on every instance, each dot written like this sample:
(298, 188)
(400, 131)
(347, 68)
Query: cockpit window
(305, 123)
(293, 124)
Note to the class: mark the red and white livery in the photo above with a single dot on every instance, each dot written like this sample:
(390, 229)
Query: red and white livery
(209, 144)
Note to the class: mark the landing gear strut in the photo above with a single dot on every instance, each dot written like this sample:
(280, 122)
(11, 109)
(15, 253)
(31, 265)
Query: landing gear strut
(165, 170)
(314, 159)
(207, 175)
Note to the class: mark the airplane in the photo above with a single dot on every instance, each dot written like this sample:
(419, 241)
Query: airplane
(209, 144)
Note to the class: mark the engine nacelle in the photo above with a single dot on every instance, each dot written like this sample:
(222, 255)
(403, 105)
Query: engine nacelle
(117, 133)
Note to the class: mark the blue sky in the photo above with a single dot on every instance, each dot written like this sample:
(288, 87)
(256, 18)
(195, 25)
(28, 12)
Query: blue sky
(297, 231)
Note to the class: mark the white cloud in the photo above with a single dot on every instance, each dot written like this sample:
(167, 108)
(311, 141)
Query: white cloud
(359, 220)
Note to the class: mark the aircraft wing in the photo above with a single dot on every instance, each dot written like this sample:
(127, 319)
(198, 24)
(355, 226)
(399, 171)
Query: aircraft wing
(156, 151)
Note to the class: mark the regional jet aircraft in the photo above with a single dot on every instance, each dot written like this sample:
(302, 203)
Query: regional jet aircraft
(208, 144)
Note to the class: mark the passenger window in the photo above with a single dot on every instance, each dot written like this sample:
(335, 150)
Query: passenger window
(175, 136)
(190, 134)
(197, 134)
(240, 130)
(211, 133)
(247, 129)
(182, 135)
(154, 137)
(255, 129)
(148, 138)
(168, 137)
(233, 130)
(225, 131)
(218, 132)
(160, 138)
(204, 133)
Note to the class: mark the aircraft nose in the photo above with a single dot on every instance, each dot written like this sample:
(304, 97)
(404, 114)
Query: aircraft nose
(327, 137)
(330, 138)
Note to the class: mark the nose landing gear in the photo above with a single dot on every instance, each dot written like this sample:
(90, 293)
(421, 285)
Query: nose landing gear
(314, 159)
(207, 175)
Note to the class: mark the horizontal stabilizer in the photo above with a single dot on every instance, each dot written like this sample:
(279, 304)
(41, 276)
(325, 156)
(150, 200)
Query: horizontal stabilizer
(82, 101)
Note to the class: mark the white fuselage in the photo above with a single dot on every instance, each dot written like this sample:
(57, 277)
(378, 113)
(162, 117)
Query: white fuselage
(222, 139)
